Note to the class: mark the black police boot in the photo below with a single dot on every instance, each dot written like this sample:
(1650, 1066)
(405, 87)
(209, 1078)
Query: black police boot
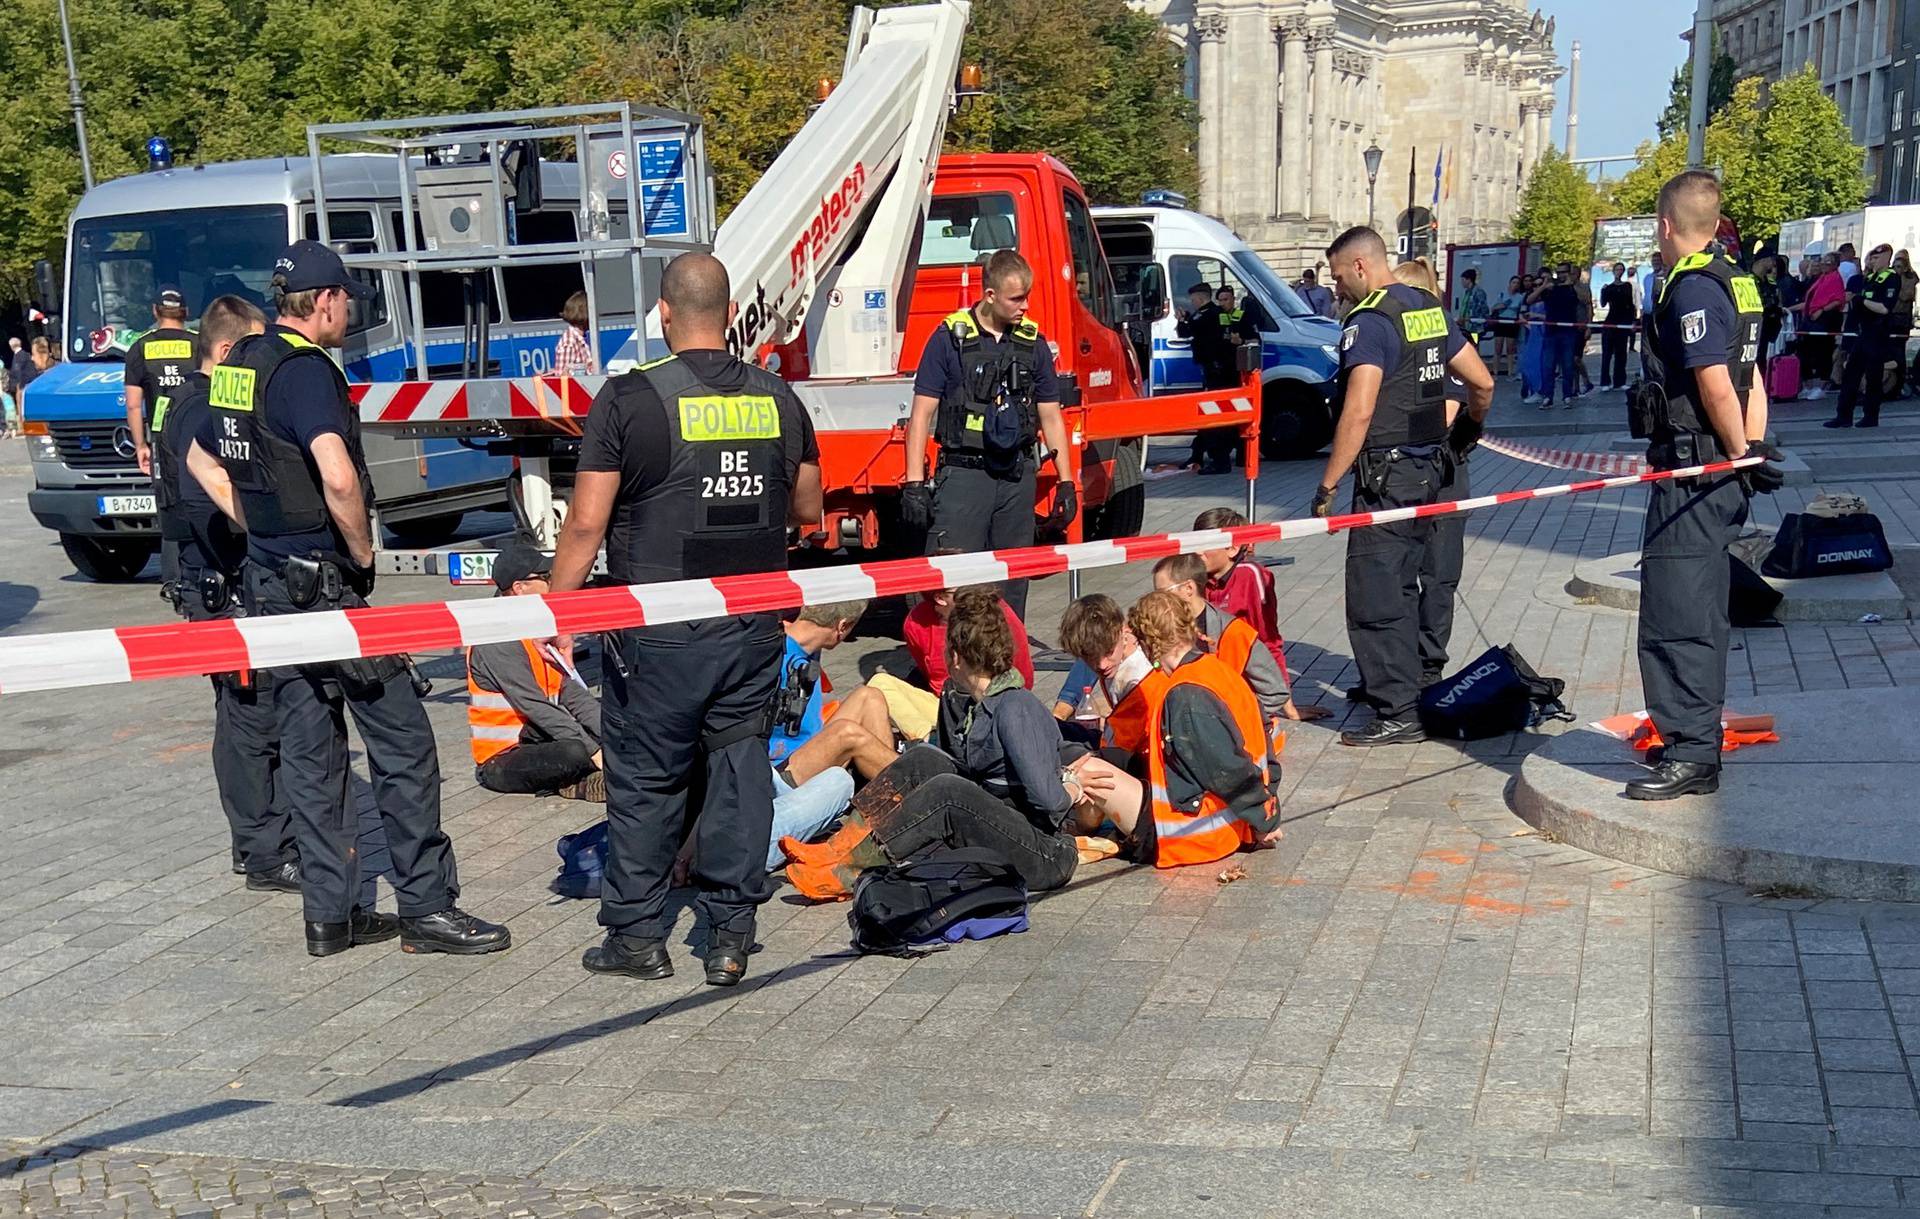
(285, 878)
(1356, 694)
(1385, 732)
(1673, 779)
(727, 953)
(629, 955)
(364, 927)
(453, 930)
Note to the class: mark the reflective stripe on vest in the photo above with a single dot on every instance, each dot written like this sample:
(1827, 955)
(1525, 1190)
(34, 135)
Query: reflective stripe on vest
(492, 724)
(1209, 832)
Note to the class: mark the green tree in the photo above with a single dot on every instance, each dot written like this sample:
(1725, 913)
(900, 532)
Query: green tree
(1679, 109)
(1558, 208)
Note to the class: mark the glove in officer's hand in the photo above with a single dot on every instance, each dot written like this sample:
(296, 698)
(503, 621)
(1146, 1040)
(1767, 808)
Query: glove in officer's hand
(1322, 503)
(1767, 477)
(359, 579)
(916, 505)
(1464, 435)
(1066, 505)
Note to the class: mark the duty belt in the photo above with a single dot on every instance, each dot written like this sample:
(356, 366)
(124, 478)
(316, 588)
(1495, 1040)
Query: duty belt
(972, 461)
(1405, 452)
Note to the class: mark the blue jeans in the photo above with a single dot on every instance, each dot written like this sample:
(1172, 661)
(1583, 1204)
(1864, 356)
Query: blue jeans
(1565, 356)
(802, 812)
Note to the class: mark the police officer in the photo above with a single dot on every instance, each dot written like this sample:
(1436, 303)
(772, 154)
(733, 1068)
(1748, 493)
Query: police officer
(209, 552)
(1395, 353)
(1204, 327)
(698, 463)
(288, 437)
(1701, 403)
(157, 364)
(1874, 292)
(986, 391)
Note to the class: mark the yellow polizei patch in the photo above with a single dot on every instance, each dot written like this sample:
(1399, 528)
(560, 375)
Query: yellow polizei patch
(1420, 325)
(232, 388)
(169, 349)
(1746, 295)
(739, 417)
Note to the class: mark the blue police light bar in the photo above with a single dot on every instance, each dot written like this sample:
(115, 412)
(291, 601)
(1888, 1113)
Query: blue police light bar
(1161, 197)
(159, 154)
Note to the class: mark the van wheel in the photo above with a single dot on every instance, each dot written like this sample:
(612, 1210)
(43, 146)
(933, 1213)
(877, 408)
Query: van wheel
(1126, 508)
(107, 562)
(426, 530)
(1295, 421)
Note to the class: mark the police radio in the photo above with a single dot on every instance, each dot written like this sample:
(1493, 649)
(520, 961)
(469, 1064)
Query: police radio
(797, 684)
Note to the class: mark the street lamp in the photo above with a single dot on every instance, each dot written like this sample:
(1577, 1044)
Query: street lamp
(1371, 155)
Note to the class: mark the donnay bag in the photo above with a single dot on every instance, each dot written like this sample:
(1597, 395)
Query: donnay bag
(1497, 693)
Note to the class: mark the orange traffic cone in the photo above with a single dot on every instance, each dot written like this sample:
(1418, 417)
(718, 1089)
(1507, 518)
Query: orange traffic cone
(833, 850)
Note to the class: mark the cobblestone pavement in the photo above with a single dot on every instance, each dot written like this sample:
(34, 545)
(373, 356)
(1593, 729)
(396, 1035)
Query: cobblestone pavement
(1414, 1003)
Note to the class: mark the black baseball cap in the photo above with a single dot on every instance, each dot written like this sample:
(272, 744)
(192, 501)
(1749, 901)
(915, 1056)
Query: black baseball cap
(306, 266)
(169, 297)
(520, 560)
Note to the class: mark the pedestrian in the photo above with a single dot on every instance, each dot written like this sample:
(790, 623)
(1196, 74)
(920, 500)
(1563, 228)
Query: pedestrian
(1901, 328)
(1317, 295)
(1505, 317)
(1562, 322)
(1395, 352)
(286, 432)
(1874, 295)
(1847, 260)
(39, 360)
(1536, 349)
(690, 467)
(986, 392)
(1585, 292)
(1471, 311)
(20, 368)
(210, 551)
(573, 354)
(1825, 306)
(1201, 324)
(1703, 404)
(157, 363)
(1616, 299)
(1772, 313)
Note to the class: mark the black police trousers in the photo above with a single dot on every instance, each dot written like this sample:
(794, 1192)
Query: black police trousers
(1865, 371)
(973, 510)
(310, 706)
(1440, 566)
(246, 755)
(668, 693)
(1683, 609)
(1383, 586)
(1213, 447)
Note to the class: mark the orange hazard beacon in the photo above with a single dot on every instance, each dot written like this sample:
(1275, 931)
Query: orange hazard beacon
(855, 244)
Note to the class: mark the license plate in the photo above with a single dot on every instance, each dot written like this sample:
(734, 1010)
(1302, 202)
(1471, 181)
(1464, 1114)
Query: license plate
(474, 568)
(126, 505)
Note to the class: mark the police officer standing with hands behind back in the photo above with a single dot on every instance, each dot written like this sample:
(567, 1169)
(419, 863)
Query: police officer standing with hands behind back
(1701, 403)
(1395, 353)
(986, 390)
(699, 462)
(288, 437)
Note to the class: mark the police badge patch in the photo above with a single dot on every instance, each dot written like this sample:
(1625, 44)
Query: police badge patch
(1693, 326)
(1347, 336)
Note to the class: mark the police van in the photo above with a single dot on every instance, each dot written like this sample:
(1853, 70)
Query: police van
(1158, 251)
(212, 230)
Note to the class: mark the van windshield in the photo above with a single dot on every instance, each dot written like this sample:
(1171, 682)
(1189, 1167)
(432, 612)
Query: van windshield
(1258, 274)
(119, 262)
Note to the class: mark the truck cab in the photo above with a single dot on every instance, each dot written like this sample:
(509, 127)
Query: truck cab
(1158, 252)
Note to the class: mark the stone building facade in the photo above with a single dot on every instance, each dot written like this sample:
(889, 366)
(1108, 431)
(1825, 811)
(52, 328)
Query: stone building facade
(1850, 43)
(1292, 92)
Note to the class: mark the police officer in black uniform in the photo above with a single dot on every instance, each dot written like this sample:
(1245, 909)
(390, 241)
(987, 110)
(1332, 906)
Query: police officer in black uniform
(209, 551)
(287, 434)
(1875, 293)
(157, 364)
(1201, 325)
(1701, 403)
(1395, 353)
(986, 391)
(699, 463)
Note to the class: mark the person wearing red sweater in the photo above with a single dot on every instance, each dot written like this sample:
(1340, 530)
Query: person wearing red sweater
(926, 638)
(1245, 589)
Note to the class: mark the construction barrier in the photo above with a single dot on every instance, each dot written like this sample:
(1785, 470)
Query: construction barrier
(187, 649)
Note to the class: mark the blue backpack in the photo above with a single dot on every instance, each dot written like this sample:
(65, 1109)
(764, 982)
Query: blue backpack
(583, 861)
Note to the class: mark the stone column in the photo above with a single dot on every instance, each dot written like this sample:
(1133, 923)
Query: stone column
(1293, 116)
(1323, 170)
(1543, 123)
(1262, 148)
(1529, 137)
(1211, 30)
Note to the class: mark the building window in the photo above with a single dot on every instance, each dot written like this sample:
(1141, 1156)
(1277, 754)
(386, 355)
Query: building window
(1896, 174)
(1899, 108)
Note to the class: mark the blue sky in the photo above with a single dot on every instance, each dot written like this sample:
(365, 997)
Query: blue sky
(1628, 51)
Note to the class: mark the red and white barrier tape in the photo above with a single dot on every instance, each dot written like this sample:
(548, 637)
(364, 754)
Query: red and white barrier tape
(187, 649)
(1609, 464)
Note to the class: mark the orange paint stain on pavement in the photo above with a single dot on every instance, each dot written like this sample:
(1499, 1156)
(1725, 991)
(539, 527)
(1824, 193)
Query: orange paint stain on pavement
(173, 753)
(1456, 858)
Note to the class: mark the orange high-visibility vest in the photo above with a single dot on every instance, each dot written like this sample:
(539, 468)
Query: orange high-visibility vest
(1209, 832)
(1127, 722)
(1234, 647)
(492, 723)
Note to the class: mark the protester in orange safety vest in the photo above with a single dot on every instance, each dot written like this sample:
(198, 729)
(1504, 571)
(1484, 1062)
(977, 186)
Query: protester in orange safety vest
(1207, 776)
(1232, 639)
(1094, 630)
(534, 724)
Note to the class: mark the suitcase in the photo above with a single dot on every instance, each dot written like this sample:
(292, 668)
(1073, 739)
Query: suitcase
(1783, 378)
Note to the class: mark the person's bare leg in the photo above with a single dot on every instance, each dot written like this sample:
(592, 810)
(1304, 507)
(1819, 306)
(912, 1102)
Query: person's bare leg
(842, 742)
(1112, 794)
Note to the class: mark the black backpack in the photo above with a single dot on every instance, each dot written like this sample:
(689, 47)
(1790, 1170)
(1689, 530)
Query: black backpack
(897, 908)
(1808, 545)
(1497, 693)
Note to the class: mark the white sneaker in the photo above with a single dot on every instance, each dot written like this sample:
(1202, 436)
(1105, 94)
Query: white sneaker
(1814, 394)
(1530, 400)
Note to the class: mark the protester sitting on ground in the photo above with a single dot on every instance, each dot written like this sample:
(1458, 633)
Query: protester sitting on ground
(534, 723)
(925, 632)
(1232, 640)
(995, 781)
(1207, 773)
(809, 733)
(1095, 630)
(1243, 586)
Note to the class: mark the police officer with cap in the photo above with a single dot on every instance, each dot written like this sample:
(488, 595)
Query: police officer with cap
(1395, 353)
(691, 467)
(157, 364)
(288, 437)
(1875, 294)
(1701, 403)
(209, 552)
(986, 390)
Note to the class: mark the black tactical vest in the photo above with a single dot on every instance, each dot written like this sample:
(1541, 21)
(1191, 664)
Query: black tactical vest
(188, 515)
(169, 471)
(274, 479)
(1684, 409)
(1412, 406)
(721, 509)
(169, 357)
(993, 379)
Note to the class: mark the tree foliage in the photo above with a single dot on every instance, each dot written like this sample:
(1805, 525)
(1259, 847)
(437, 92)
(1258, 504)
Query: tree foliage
(1090, 80)
(1557, 209)
(1679, 109)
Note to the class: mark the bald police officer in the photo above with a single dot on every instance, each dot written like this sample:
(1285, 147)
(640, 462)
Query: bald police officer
(1700, 403)
(691, 467)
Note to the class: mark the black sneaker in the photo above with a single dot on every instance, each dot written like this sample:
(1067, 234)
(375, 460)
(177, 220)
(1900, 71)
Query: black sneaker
(1385, 732)
(635, 958)
(282, 879)
(453, 930)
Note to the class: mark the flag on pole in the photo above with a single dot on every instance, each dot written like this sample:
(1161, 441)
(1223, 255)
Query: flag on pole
(1439, 159)
(1446, 191)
